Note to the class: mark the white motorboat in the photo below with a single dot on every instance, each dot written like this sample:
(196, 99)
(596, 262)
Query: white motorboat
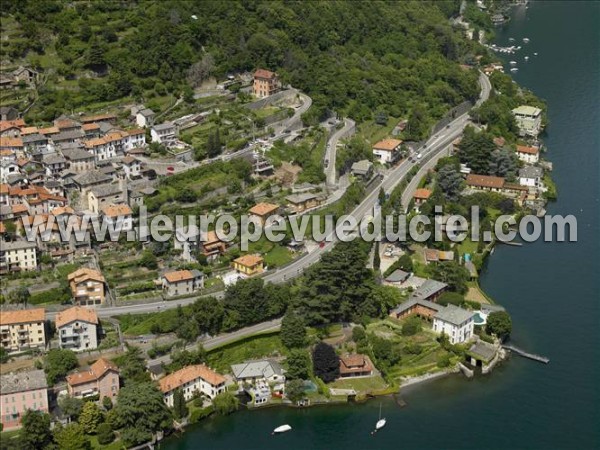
(535, 54)
(526, 58)
(526, 40)
(513, 63)
(282, 429)
(514, 69)
(511, 39)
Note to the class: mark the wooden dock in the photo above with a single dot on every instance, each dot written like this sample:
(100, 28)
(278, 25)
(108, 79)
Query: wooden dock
(524, 354)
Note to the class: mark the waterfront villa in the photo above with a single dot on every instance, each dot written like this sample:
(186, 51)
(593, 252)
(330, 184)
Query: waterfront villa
(530, 176)
(529, 120)
(102, 379)
(527, 154)
(20, 392)
(191, 380)
(249, 264)
(485, 182)
(251, 372)
(257, 377)
(421, 308)
(455, 322)
(23, 329)
(355, 365)
(387, 150)
(77, 328)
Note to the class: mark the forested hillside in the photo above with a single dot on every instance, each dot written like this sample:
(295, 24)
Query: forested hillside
(354, 57)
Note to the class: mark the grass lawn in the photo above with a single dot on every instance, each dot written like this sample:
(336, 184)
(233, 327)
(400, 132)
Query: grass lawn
(275, 255)
(254, 347)
(467, 246)
(364, 384)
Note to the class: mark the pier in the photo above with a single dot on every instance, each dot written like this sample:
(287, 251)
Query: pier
(524, 354)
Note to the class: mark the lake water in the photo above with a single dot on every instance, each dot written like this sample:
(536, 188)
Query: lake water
(551, 290)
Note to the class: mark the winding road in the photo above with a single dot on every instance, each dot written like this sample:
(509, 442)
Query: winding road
(431, 150)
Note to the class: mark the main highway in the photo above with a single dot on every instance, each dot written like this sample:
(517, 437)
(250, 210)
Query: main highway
(434, 147)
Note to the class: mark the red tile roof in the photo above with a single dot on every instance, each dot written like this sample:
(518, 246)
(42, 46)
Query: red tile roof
(485, 181)
(187, 374)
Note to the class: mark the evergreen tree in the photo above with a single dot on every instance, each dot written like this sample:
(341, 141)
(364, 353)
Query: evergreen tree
(293, 331)
(71, 437)
(180, 409)
(35, 432)
(326, 363)
(90, 417)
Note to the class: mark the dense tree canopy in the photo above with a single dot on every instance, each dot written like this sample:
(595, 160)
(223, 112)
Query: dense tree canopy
(58, 363)
(500, 324)
(389, 57)
(326, 363)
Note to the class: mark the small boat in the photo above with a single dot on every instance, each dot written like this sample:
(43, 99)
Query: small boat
(513, 63)
(526, 40)
(535, 54)
(526, 58)
(282, 429)
(381, 422)
(511, 39)
(514, 69)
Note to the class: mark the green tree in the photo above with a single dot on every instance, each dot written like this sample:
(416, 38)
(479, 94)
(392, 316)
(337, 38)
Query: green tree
(500, 324)
(148, 260)
(298, 363)
(450, 182)
(58, 363)
(90, 417)
(71, 437)
(133, 366)
(294, 390)
(180, 409)
(326, 363)
(19, 295)
(70, 406)
(358, 334)
(105, 434)
(35, 433)
(107, 403)
(411, 326)
(140, 412)
(453, 274)
(376, 258)
(225, 403)
(293, 331)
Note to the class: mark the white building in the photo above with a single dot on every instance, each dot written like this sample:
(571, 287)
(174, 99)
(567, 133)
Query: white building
(529, 120)
(192, 380)
(182, 282)
(77, 328)
(18, 255)
(387, 151)
(131, 167)
(144, 117)
(163, 132)
(529, 155)
(252, 372)
(530, 176)
(455, 322)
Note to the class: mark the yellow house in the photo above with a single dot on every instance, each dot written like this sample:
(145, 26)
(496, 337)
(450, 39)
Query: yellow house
(249, 264)
(23, 329)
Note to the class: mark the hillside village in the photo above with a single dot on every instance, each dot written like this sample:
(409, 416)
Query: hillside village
(198, 326)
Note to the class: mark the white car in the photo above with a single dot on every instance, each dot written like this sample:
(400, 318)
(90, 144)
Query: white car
(419, 156)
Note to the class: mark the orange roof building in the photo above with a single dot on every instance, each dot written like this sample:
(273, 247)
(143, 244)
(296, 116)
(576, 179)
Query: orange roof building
(114, 211)
(485, 182)
(355, 365)
(102, 379)
(421, 195)
(23, 329)
(263, 211)
(87, 286)
(191, 379)
(265, 83)
(249, 264)
(387, 150)
(182, 282)
(76, 313)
